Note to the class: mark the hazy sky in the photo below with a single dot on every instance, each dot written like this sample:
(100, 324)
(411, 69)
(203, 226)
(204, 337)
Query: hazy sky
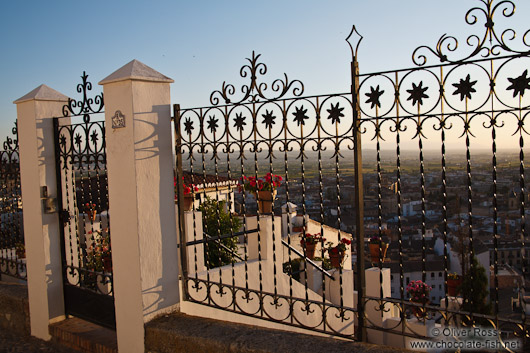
(200, 44)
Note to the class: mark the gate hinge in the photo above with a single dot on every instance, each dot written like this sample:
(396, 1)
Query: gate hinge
(64, 216)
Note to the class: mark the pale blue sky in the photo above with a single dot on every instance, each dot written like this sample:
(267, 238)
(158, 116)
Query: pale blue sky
(202, 43)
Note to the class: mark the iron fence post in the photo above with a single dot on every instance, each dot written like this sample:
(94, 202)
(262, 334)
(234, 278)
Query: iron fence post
(359, 199)
(60, 204)
(180, 192)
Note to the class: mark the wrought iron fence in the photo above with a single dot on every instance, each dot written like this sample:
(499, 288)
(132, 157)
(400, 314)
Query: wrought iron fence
(12, 247)
(469, 107)
(251, 140)
(83, 201)
(438, 187)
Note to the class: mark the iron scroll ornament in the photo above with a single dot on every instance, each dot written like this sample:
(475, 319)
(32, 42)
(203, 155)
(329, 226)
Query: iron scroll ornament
(255, 90)
(497, 43)
(11, 144)
(84, 107)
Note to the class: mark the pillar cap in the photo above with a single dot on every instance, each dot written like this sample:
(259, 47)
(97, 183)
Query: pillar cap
(43, 93)
(138, 71)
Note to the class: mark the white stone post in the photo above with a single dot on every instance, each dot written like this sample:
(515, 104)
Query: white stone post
(41, 231)
(141, 199)
(377, 283)
(261, 247)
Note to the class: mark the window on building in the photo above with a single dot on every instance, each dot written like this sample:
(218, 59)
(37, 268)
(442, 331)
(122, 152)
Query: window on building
(432, 274)
(439, 274)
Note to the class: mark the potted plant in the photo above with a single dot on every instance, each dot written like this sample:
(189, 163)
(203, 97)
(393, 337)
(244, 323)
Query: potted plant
(419, 293)
(91, 211)
(217, 222)
(263, 188)
(454, 281)
(187, 202)
(99, 253)
(378, 249)
(20, 250)
(337, 252)
(309, 242)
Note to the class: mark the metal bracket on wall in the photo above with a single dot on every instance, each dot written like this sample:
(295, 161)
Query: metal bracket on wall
(49, 204)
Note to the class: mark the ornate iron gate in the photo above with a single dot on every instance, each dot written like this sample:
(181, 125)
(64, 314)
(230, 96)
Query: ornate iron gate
(83, 204)
(447, 103)
(12, 247)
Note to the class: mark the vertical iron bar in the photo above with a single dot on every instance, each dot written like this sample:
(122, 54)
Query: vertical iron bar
(359, 198)
(180, 193)
(217, 210)
(444, 189)
(399, 212)
(337, 180)
(321, 207)
(256, 172)
(494, 195)
(229, 197)
(523, 220)
(60, 204)
(469, 209)
(422, 185)
(379, 209)
(271, 171)
(305, 226)
(287, 200)
(244, 208)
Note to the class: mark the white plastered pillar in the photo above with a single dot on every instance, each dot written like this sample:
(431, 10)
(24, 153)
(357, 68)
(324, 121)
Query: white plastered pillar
(41, 231)
(141, 199)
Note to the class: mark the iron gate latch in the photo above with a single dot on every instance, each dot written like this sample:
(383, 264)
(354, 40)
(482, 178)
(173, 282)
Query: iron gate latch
(64, 216)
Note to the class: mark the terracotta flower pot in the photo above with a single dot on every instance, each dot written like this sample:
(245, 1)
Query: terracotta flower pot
(265, 199)
(418, 311)
(374, 252)
(310, 250)
(336, 259)
(187, 202)
(452, 286)
(107, 264)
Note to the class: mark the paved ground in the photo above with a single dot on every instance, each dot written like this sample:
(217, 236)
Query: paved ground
(11, 342)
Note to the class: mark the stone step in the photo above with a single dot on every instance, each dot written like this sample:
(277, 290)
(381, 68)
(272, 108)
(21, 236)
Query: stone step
(84, 336)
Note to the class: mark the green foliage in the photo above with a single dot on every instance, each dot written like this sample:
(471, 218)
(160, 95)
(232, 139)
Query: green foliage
(476, 292)
(218, 222)
(292, 268)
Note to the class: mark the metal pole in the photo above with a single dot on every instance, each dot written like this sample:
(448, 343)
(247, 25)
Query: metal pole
(180, 193)
(359, 198)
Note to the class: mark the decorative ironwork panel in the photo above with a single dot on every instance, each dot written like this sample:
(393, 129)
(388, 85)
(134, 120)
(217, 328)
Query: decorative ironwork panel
(438, 191)
(12, 247)
(83, 200)
(229, 156)
(440, 142)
